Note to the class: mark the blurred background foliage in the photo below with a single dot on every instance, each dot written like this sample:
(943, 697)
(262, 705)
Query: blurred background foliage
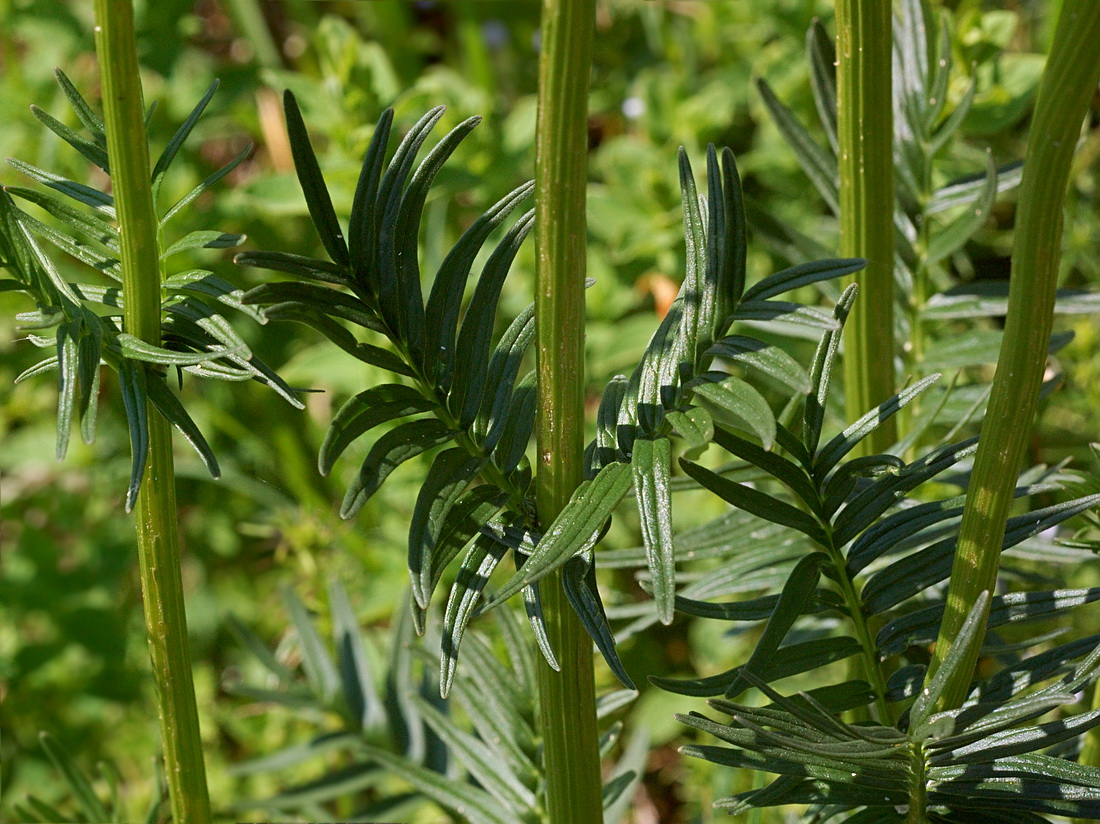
(73, 657)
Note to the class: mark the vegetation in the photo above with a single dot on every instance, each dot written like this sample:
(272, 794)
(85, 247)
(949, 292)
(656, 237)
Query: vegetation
(912, 640)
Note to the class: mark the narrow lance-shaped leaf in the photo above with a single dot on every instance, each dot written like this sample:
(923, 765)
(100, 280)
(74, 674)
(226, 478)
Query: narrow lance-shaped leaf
(846, 441)
(393, 280)
(961, 229)
(651, 466)
(206, 184)
(576, 528)
(450, 474)
(796, 595)
(801, 275)
(68, 383)
(363, 412)
(313, 184)
(813, 415)
(180, 137)
(412, 318)
(363, 223)
(766, 358)
(818, 165)
(822, 53)
(756, 502)
(168, 405)
(473, 576)
(463, 367)
(734, 402)
(85, 113)
(579, 582)
(131, 381)
(391, 450)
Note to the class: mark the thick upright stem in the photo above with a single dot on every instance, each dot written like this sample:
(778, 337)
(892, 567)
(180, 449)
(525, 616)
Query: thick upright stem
(157, 529)
(567, 699)
(1068, 85)
(865, 141)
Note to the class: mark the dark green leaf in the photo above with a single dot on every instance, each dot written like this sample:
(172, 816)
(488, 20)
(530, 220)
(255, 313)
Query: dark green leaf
(99, 201)
(794, 313)
(131, 380)
(802, 275)
(503, 368)
(821, 51)
(831, 454)
(450, 474)
(363, 224)
(518, 426)
(440, 351)
(305, 267)
(480, 561)
(787, 661)
(695, 426)
(778, 467)
(734, 402)
(90, 224)
(796, 595)
(813, 416)
(87, 116)
(391, 450)
(175, 413)
(180, 137)
(756, 502)
(766, 358)
(469, 360)
(579, 583)
(576, 529)
(868, 505)
(651, 463)
(203, 240)
(819, 166)
(313, 184)
(921, 627)
(206, 185)
(953, 236)
(377, 405)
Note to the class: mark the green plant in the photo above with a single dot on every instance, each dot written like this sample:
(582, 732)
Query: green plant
(163, 325)
(478, 756)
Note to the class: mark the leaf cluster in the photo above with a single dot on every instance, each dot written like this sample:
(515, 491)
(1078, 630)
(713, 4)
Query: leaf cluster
(477, 756)
(81, 322)
(465, 393)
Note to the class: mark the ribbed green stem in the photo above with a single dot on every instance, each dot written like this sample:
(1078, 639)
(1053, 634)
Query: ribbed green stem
(918, 786)
(865, 141)
(567, 699)
(157, 529)
(1068, 85)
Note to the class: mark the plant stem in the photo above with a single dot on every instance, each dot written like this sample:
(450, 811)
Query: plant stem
(1069, 82)
(567, 699)
(157, 528)
(866, 165)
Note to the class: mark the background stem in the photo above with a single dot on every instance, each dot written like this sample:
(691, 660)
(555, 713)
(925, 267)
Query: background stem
(1069, 82)
(865, 130)
(157, 528)
(567, 699)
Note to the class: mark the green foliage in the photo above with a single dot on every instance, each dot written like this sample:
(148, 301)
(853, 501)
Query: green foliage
(86, 317)
(453, 372)
(477, 756)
